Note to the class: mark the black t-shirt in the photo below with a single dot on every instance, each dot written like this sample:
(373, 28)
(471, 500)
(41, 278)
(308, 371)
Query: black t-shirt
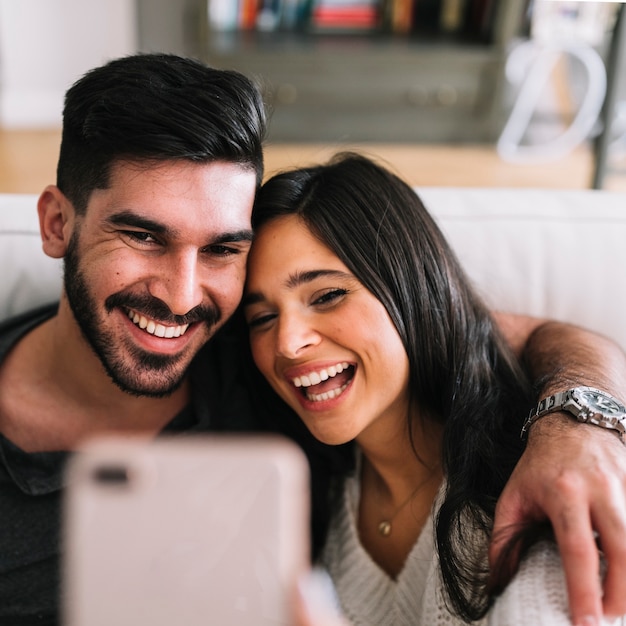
(31, 483)
(228, 394)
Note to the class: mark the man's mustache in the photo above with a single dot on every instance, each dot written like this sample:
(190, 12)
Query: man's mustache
(157, 309)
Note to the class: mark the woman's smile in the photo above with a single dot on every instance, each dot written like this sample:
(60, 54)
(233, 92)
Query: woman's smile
(324, 383)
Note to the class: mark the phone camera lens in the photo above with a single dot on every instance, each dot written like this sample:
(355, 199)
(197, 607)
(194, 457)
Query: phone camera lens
(111, 475)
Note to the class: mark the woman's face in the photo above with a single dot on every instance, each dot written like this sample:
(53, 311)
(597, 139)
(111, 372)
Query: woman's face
(326, 345)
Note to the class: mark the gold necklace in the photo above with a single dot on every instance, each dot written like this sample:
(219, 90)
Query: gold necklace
(384, 526)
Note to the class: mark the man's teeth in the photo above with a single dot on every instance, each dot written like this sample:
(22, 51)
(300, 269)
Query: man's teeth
(315, 378)
(154, 328)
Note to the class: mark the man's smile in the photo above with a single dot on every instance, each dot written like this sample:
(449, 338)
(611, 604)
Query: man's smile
(156, 328)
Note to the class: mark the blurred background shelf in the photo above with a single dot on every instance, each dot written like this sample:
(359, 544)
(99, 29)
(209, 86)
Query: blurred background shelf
(430, 104)
(431, 83)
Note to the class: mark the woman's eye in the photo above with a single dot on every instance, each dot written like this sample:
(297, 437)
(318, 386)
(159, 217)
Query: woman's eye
(260, 320)
(330, 296)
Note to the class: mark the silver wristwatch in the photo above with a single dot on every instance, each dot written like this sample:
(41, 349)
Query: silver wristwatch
(586, 404)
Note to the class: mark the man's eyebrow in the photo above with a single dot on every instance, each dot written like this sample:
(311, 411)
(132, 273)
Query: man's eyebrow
(128, 218)
(238, 235)
(296, 279)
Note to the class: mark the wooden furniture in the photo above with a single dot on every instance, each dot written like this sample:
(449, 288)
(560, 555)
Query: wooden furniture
(426, 87)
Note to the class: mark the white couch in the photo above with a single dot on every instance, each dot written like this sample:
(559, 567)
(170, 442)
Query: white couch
(549, 253)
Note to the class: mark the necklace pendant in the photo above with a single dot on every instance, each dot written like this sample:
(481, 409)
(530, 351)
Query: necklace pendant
(384, 528)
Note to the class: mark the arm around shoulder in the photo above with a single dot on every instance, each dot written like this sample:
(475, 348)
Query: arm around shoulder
(571, 473)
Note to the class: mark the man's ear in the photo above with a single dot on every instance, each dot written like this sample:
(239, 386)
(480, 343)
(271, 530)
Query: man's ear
(56, 221)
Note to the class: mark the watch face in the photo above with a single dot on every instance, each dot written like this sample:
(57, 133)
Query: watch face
(600, 402)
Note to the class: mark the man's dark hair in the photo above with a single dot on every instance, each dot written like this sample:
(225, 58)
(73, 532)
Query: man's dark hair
(156, 107)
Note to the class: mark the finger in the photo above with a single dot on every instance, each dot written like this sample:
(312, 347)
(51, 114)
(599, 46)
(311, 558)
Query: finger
(579, 554)
(511, 512)
(504, 562)
(610, 525)
(614, 602)
(316, 601)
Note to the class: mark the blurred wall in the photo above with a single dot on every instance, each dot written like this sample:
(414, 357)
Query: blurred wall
(45, 45)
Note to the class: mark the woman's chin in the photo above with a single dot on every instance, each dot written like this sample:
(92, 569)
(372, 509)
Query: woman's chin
(331, 438)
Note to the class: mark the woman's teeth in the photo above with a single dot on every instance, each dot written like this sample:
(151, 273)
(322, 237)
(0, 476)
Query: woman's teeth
(154, 328)
(315, 378)
(327, 395)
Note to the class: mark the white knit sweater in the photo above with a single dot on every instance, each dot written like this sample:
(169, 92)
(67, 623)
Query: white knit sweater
(369, 597)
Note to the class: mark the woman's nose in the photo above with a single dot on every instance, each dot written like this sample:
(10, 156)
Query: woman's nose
(295, 334)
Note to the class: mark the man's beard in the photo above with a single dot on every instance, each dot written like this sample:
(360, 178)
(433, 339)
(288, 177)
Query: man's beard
(141, 373)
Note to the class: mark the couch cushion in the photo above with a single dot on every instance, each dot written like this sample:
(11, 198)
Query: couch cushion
(28, 276)
(547, 253)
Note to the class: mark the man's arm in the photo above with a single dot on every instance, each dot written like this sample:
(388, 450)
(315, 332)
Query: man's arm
(573, 474)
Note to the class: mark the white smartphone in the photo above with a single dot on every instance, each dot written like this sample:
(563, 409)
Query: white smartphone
(210, 530)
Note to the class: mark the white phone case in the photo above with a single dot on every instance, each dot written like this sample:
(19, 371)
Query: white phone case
(210, 530)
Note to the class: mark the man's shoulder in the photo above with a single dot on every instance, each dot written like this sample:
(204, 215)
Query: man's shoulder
(13, 328)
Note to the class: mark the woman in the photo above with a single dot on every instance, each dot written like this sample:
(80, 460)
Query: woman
(363, 322)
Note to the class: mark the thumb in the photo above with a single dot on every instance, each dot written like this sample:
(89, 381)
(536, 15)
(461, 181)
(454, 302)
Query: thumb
(504, 551)
(317, 603)
(504, 558)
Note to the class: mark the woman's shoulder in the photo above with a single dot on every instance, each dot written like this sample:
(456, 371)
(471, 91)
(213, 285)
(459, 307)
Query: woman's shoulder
(537, 594)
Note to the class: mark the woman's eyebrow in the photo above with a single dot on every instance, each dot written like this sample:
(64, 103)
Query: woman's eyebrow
(296, 279)
(300, 278)
(252, 298)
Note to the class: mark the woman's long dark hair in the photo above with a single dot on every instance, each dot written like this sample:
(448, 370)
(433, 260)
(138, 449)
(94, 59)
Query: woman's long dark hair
(462, 374)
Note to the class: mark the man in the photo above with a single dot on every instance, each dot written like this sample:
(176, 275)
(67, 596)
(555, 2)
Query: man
(159, 164)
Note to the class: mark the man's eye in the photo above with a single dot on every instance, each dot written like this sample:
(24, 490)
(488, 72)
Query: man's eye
(140, 236)
(330, 296)
(222, 250)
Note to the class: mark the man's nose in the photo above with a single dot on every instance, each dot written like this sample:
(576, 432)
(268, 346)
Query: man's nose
(179, 282)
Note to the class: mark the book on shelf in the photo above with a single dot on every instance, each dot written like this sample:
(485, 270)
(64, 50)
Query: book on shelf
(345, 15)
(223, 15)
(268, 13)
(398, 16)
(470, 19)
(452, 15)
(426, 16)
(479, 18)
(247, 14)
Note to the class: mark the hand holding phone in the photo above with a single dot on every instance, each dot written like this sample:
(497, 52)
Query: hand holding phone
(185, 531)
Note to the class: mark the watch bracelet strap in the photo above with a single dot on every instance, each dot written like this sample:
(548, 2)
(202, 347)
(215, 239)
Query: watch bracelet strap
(544, 407)
(554, 403)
